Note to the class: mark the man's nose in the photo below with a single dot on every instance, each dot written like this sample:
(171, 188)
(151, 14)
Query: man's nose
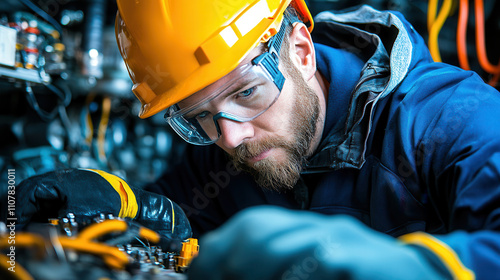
(233, 133)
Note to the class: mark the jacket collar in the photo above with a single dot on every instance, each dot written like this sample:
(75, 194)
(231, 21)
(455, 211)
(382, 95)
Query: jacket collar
(381, 40)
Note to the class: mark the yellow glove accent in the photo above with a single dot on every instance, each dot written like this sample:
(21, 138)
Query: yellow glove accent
(129, 205)
(173, 215)
(442, 251)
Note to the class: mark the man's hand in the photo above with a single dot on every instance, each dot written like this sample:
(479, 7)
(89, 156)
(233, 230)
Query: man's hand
(86, 193)
(272, 243)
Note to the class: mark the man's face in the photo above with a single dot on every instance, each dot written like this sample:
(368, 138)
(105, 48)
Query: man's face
(274, 146)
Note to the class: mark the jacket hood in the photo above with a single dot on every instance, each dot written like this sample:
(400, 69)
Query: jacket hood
(391, 47)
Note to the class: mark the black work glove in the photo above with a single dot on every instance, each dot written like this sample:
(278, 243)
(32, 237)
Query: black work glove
(86, 193)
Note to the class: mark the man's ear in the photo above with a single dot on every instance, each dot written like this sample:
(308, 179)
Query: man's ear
(302, 51)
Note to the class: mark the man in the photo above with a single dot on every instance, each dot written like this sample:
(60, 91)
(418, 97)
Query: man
(356, 120)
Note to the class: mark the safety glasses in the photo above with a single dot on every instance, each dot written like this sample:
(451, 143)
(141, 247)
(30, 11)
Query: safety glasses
(241, 99)
(254, 88)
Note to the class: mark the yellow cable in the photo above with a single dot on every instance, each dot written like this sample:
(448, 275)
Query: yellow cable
(103, 124)
(25, 240)
(22, 240)
(149, 235)
(112, 256)
(97, 230)
(436, 28)
(108, 226)
(19, 274)
(455, 6)
(431, 13)
(90, 133)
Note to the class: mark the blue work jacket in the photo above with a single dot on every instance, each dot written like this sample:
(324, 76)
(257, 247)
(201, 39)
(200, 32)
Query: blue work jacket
(409, 145)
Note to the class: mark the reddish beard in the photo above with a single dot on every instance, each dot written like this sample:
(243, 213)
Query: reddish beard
(270, 173)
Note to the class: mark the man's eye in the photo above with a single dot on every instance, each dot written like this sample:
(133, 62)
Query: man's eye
(202, 115)
(246, 93)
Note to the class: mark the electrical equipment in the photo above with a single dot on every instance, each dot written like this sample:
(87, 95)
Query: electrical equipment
(67, 100)
(103, 248)
(66, 95)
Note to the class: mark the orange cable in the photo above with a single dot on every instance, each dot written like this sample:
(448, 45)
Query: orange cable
(480, 40)
(494, 80)
(463, 15)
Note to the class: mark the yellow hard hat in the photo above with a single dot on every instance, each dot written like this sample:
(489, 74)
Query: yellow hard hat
(174, 48)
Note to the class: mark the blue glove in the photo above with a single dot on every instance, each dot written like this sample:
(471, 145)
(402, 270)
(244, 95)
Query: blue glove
(272, 243)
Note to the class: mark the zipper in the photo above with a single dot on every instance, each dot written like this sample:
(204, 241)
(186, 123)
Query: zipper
(377, 74)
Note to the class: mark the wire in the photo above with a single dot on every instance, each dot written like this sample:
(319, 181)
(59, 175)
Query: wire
(431, 13)
(462, 34)
(494, 80)
(436, 25)
(22, 240)
(20, 274)
(26, 240)
(87, 120)
(43, 15)
(32, 101)
(112, 256)
(100, 229)
(64, 96)
(149, 235)
(56, 244)
(103, 126)
(97, 230)
(63, 114)
(480, 40)
(143, 244)
(64, 100)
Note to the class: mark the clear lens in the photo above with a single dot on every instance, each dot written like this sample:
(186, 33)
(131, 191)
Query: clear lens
(241, 99)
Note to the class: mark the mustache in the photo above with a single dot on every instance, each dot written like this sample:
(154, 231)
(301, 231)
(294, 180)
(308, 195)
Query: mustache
(248, 150)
